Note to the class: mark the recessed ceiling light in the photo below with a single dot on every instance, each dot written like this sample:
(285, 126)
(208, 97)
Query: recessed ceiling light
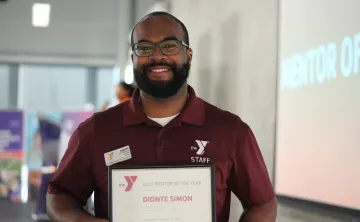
(41, 14)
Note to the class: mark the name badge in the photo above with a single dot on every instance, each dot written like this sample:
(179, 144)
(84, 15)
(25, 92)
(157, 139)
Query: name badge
(117, 156)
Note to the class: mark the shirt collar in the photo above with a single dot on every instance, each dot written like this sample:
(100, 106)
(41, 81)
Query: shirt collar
(193, 112)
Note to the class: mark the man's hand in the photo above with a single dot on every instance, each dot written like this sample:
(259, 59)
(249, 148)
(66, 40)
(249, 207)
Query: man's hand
(63, 207)
(262, 213)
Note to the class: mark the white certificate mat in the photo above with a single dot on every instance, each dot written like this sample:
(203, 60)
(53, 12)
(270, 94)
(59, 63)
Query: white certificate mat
(162, 193)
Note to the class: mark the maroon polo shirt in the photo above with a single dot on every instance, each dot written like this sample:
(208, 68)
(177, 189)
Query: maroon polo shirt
(227, 142)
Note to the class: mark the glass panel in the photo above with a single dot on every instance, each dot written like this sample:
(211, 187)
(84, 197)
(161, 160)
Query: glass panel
(52, 88)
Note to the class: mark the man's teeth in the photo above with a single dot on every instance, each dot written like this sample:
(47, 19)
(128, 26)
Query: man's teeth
(159, 70)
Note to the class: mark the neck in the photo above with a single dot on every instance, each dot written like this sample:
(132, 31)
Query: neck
(159, 108)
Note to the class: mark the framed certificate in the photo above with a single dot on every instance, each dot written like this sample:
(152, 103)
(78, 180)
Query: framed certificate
(162, 193)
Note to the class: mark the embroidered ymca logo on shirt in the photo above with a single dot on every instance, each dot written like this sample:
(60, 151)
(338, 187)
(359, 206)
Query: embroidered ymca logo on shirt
(200, 150)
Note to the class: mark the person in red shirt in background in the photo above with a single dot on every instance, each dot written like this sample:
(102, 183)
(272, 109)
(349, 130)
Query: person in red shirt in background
(124, 91)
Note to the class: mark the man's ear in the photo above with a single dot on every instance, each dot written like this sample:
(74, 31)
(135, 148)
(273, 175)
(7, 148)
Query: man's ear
(189, 54)
(132, 57)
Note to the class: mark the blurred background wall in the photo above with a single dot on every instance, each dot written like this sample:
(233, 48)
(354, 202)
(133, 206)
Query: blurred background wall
(234, 63)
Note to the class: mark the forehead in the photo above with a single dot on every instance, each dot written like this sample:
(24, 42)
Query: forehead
(157, 28)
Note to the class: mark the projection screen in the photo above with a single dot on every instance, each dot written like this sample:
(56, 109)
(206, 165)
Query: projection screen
(318, 110)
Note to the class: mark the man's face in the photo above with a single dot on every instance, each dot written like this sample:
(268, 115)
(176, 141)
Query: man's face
(160, 75)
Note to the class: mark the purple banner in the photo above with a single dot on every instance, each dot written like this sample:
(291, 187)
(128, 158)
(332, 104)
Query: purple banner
(11, 134)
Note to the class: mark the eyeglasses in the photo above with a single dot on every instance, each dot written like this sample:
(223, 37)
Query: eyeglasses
(167, 47)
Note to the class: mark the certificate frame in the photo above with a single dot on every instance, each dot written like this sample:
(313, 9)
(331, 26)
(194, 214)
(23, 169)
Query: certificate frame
(111, 168)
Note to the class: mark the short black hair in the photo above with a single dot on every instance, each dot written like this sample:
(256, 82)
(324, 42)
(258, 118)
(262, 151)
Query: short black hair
(160, 13)
(127, 87)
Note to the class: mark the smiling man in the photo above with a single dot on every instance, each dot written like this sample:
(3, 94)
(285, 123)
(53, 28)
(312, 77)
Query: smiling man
(163, 123)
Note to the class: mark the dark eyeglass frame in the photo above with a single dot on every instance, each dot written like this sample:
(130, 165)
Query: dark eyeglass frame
(155, 44)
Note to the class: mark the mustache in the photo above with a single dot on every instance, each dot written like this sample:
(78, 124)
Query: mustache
(148, 66)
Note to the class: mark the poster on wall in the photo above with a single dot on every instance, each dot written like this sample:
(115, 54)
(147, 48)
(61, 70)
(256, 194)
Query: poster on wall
(33, 151)
(10, 180)
(46, 136)
(33, 154)
(11, 135)
(11, 154)
(54, 132)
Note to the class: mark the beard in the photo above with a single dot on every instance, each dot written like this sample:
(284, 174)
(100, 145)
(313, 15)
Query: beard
(162, 89)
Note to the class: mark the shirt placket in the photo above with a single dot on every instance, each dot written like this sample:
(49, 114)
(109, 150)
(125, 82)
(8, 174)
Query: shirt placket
(160, 146)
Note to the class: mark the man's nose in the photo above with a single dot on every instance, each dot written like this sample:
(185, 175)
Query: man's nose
(157, 54)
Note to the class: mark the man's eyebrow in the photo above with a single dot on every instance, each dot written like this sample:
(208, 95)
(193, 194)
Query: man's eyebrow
(166, 38)
(143, 40)
(170, 38)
